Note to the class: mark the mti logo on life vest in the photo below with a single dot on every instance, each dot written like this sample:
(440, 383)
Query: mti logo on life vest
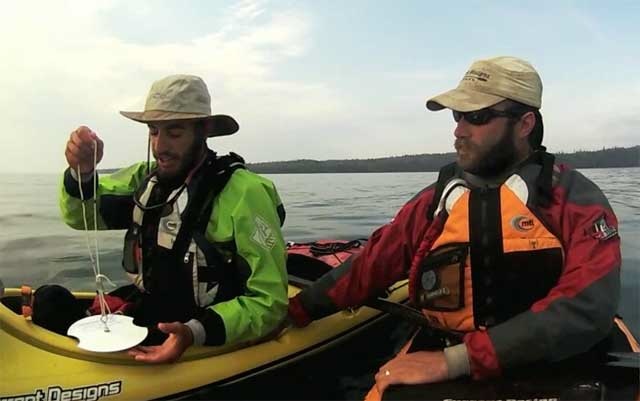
(522, 223)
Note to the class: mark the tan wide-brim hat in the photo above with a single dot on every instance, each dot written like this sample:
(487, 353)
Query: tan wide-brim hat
(488, 82)
(183, 97)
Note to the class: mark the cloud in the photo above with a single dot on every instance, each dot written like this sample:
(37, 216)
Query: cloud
(64, 66)
(76, 62)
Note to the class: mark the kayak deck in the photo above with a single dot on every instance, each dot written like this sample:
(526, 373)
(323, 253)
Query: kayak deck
(35, 361)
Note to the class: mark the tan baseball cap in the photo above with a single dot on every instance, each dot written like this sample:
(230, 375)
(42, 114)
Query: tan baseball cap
(488, 82)
(182, 97)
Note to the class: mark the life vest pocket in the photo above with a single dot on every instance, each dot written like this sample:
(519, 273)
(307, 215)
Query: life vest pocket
(442, 278)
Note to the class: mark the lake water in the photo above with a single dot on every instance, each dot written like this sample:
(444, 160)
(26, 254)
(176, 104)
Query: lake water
(37, 248)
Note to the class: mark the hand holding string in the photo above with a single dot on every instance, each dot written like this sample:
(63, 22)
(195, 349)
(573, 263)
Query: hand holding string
(95, 260)
(107, 332)
(84, 150)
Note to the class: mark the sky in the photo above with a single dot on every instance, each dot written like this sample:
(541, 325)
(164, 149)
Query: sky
(306, 79)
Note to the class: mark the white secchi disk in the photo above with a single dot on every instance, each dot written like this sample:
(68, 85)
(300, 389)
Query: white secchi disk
(122, 334)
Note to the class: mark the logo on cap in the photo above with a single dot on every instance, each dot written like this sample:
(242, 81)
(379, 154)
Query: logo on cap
(473, 75)
(158, 95)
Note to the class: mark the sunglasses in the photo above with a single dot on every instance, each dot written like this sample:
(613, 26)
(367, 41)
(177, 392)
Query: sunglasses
(481, 117)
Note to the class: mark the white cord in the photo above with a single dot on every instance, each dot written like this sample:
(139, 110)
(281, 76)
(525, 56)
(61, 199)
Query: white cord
(95, 262)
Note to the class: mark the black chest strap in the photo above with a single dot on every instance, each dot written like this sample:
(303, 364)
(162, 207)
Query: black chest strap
(444, 176)
(217, 173)
(544, 182)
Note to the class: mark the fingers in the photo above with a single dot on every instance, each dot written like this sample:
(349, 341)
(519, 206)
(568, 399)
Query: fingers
(171, 349)
(145, 348)
(134, 352)
(415, 368)
(84, 139)
(383, 379)
(80, 150)
(164, 353)
(169, 328)
(141, 351)
(84, 134)
(152, 354)
(72, 153)
(179, 331)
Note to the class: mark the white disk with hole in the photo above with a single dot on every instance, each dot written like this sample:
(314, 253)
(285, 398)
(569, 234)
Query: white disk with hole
(92, 335)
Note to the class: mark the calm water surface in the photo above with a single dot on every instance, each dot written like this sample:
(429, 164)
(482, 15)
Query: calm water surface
(37, 248)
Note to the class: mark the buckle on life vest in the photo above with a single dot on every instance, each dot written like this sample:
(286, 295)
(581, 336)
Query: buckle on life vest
(26, 293)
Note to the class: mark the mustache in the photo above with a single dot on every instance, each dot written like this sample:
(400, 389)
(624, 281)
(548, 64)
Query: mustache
(464, 143)
(459, 143)
(165, 155)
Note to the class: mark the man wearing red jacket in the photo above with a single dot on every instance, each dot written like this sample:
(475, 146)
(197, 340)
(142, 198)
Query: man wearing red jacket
(514, 255)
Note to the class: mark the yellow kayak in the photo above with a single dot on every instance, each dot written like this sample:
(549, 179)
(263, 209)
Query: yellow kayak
(39, 365)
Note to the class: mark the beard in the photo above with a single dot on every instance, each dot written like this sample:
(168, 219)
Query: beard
(496, 159)
(188, 161)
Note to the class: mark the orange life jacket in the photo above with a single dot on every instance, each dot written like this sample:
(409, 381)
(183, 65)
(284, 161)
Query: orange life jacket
(493, 259)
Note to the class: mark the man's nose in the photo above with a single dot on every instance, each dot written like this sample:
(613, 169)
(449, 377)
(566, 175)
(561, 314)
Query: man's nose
(461, 130)
(159, 142)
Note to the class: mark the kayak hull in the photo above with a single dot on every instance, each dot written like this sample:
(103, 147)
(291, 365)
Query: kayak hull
(36, 364)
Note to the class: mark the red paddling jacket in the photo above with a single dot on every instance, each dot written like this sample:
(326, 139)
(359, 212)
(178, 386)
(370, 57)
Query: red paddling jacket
(527, 269)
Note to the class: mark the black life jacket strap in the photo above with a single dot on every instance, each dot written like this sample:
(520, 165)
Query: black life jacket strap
(217, 173)
(225, 166)
(544, 182)
(446, 173)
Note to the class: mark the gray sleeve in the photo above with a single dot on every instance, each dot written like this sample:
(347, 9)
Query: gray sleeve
(197, 329)
(457, 361)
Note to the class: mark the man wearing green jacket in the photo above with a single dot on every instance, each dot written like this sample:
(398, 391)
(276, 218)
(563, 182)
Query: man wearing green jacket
(203, 246)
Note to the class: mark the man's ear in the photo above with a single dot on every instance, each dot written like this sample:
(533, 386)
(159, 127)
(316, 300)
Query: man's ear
(527, 123)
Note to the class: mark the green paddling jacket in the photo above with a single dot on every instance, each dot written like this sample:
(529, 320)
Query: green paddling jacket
(211, 254)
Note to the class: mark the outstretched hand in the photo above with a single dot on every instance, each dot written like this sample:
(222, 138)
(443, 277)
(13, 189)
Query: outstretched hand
(413, 368)
(180, 338)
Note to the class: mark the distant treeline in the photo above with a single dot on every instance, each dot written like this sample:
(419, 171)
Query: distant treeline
(605, 158)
